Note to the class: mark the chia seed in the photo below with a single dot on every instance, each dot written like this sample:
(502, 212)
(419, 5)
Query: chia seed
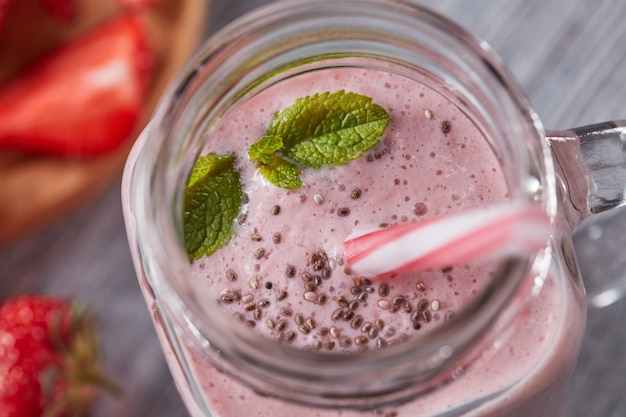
(281, 295)
(275, 209)
(318, 199)
(422, 304)
(434, 305)
(348, 314)
(383, 290)
(330, 345)
(317, 280)
(342, 302)
(416, 315)
(334, 332)
(231, 275)
(226, 298)
(259, 253)
(336, 314)
(326, 273)
(290, 336)
(356, 322)
(384, 304)
(373, 333)
(397, 300)
(247, 298)
(254, 283)
(286, 311)
(356, 193)
(277, 238)
(446, 126)
(360, 340)
(268, 285)
(420, 286)
(343, 212)
(345, 341)
(281, 325)
(321, 299)
(367, 326)
(427, 316)
(256, 237)
(290, 272)
(310, 296)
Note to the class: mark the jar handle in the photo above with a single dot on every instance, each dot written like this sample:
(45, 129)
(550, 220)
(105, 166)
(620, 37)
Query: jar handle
(590, 162)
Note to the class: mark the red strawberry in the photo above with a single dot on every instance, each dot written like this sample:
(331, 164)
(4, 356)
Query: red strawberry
(136, 4)
(63, 10)
(48, 358)
(4, 8)
(83, 98)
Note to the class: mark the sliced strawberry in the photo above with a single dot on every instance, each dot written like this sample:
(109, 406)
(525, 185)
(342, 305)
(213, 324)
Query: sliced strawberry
(63, 10)
(81, 99)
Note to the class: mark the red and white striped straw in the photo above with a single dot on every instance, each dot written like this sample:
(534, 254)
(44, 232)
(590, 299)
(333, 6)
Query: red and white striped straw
(508, 229)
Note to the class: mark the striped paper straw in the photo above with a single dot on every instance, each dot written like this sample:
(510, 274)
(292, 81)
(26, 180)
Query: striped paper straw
(508, 229)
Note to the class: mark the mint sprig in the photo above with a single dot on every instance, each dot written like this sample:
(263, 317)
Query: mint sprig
(317, 131)
(212, 201)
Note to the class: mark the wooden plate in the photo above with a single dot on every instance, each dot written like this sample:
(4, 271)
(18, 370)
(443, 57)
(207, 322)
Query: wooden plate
(37, 190)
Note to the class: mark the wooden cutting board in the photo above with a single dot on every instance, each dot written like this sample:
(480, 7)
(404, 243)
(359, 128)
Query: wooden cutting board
(36, 190)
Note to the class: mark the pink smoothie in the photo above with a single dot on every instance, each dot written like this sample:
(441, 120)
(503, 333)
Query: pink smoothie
(283, 274)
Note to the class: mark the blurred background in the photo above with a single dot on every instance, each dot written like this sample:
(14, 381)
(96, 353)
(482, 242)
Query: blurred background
(569, 57)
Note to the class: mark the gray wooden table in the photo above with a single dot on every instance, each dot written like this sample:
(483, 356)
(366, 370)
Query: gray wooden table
(570, 57)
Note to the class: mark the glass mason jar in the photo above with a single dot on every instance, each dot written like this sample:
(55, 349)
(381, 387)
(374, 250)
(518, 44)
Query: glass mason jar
(510, 351)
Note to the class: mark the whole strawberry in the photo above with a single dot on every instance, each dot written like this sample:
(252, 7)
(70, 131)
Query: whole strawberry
(49, 365)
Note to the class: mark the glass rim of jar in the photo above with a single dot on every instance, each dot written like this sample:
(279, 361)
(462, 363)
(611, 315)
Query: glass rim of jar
(248, 56)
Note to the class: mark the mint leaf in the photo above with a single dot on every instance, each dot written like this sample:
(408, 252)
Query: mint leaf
(213, 199)
(321, 130)
(263, 150)
(282, 174)
(276, 170)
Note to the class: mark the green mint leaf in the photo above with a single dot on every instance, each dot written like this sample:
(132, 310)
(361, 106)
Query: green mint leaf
(264, 149)
(213, 199)
(321, 130)
(275, 169)
(282, 173)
